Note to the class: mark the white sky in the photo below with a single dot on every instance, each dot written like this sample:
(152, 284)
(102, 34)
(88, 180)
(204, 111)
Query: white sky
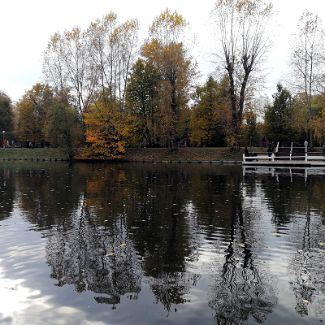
(26, 25)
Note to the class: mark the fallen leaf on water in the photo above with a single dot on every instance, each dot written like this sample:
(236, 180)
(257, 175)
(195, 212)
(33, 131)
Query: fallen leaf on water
(321, 244)
(305, 301)
(122, 245)
(110, 254)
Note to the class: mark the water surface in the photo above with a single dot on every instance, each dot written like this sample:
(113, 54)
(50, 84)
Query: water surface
(161, 244)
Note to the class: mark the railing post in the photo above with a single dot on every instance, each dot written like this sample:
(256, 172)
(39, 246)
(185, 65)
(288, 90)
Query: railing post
(244, 157)
(272, 156)
(306, 157)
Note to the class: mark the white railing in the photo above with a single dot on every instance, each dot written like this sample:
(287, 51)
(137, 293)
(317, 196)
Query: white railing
(265, 157)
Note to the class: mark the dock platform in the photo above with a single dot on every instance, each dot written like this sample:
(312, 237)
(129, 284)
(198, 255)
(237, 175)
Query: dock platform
(286, 156)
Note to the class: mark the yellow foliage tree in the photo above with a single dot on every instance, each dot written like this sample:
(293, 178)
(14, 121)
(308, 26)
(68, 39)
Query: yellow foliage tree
(31, 112)
(166, 53)
(317, 123)
(107, 129)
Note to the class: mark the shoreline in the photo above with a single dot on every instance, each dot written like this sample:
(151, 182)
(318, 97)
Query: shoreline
(216, 155)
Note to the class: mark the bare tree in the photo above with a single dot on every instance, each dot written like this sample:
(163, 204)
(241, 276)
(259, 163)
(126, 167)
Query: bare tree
(241, 27)
(53, 65)
(308, 60)
(67, 67)
(112, 52)
(92, 61)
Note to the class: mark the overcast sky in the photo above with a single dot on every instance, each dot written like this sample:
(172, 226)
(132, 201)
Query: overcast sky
(26, 25)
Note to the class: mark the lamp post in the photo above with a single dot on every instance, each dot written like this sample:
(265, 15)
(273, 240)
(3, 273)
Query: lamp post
(3, 139)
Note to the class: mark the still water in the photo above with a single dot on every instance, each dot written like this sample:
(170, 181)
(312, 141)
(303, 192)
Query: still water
(160, 244)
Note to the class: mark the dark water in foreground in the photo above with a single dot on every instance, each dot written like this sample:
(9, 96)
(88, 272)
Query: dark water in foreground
(160, 244)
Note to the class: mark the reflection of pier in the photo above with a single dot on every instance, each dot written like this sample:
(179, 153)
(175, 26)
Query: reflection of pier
(284, 171)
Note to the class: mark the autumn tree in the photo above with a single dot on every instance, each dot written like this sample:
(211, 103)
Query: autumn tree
(308, 62)
(319, 128)
(211, 114)
(107, 129)
(316, 111)
(31, 112)
(250, 129)
(166, 53)
(241, 27)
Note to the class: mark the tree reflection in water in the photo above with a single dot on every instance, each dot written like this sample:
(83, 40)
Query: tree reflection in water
(92, 257)
(7, 192)
(111, 228)
(126, 227)
(293, 206)
(96, 253)
(242, 287)
(308, 265)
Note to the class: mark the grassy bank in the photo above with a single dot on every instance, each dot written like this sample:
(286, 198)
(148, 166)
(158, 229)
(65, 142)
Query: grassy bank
(143, 154)
(132, 154)
(183, 154)
(33, 154)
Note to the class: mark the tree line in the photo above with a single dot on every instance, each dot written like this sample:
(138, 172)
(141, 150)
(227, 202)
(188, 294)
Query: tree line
(103, 91)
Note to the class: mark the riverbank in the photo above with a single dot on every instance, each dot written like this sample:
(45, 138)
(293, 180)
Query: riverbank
(38, 154)
(183, 155)
(159, 155)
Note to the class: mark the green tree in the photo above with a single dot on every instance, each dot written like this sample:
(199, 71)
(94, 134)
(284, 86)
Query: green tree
(142, 101)
(211, 114)
(63, 127)
(278, 116)
(6, 115)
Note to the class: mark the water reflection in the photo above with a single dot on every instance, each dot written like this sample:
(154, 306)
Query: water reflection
(7, 193)
(176, 235)
(242, 288)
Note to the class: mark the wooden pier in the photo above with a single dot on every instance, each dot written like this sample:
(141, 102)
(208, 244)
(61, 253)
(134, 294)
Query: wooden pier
(285, 156)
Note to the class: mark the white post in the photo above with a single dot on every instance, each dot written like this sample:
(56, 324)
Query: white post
(272, 156)
(244, 157)
(277, 147)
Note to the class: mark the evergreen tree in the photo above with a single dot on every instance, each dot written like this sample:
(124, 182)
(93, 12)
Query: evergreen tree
(278, 116)
(6, 115)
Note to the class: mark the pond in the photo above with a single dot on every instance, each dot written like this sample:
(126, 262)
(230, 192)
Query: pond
(160, 244)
